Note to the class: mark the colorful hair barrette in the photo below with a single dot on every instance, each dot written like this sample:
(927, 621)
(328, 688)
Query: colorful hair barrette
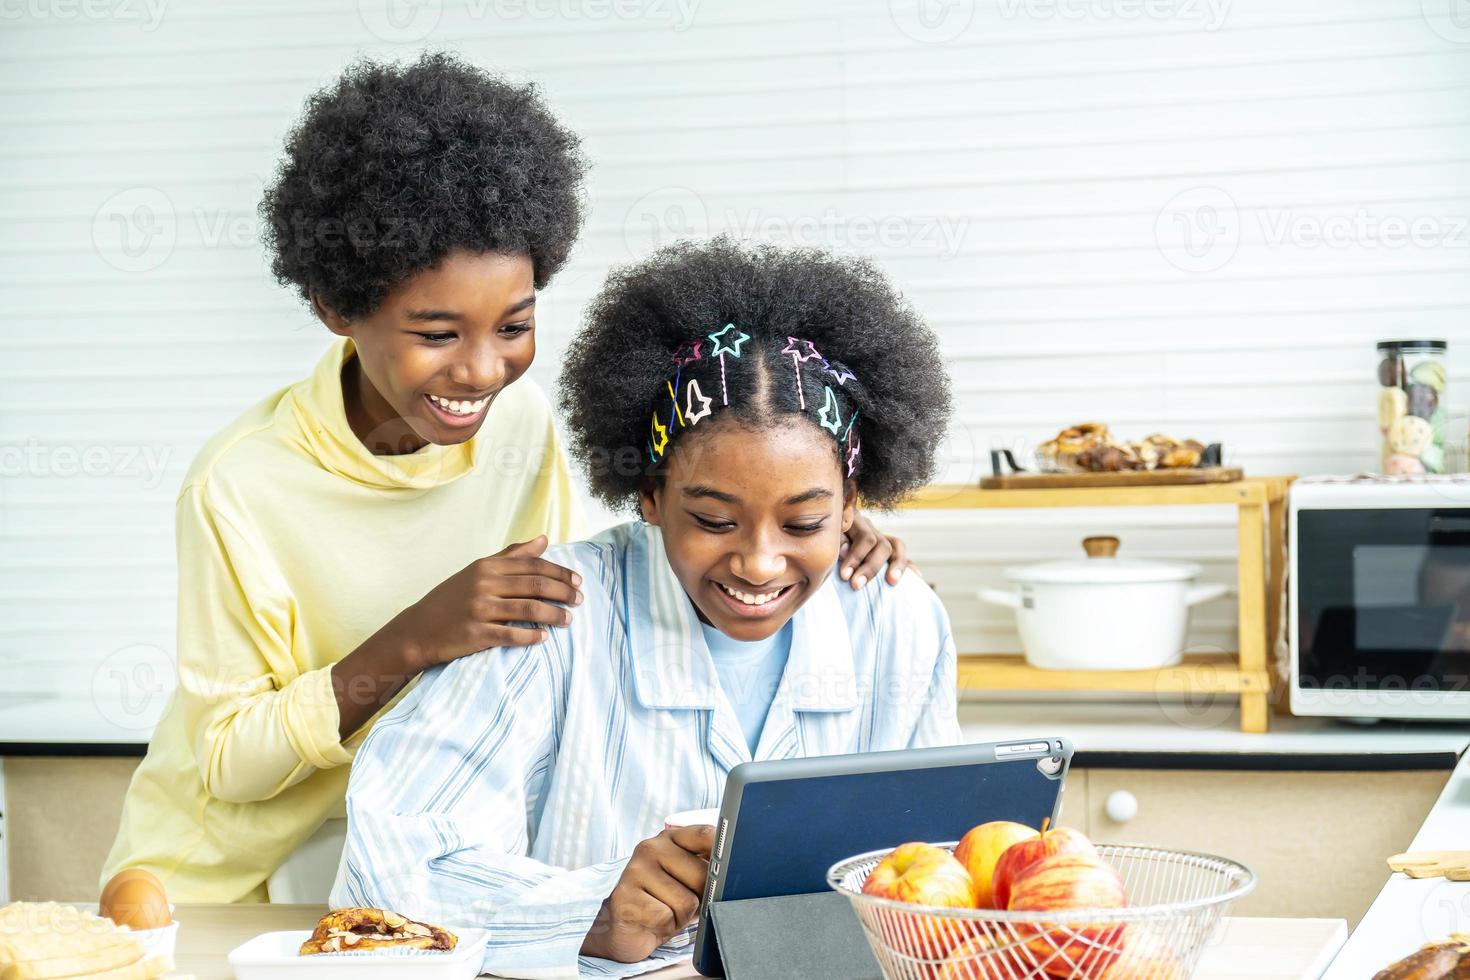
(688, 352)
(797, 359)
(841, 374)
(698, 406)
(831, 414)
(722, 348)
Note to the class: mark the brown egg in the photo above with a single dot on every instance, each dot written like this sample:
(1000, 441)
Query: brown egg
(135, 898)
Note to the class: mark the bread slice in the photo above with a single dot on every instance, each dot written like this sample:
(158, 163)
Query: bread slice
(48, 941)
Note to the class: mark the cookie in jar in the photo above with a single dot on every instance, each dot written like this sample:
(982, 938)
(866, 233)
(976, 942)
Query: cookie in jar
(1412, 405)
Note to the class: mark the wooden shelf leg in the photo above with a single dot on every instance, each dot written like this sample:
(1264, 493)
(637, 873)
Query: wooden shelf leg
(1276, 597)
(1251, 583)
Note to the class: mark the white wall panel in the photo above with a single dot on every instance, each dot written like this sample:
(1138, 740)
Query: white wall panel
(1030, 172)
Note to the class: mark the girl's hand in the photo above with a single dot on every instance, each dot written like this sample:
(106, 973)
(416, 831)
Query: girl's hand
(473, 609)
(656, 897)
(864, 551)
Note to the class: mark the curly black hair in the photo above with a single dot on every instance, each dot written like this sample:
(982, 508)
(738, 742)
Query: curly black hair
(839, 319)
(394, 166)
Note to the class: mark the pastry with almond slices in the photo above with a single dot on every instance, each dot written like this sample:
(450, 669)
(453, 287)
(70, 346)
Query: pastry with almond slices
(351, 930)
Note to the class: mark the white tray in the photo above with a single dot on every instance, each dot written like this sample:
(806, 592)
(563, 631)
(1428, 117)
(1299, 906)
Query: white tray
(274, 956)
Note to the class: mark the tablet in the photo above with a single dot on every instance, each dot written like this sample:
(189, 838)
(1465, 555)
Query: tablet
(784, 822)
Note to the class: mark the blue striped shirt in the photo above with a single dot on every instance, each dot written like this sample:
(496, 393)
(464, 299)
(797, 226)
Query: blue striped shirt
(508, 789)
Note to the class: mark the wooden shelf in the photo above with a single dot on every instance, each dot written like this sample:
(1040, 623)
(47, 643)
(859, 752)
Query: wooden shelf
(1218, 673)
(1260, 502)
(964, 496)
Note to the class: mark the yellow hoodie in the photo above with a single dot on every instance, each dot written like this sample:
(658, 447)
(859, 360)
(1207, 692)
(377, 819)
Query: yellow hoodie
(295, 544)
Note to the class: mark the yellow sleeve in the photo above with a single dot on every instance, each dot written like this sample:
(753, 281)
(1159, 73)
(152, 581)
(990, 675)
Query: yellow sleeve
(258, 723)
(550, 505)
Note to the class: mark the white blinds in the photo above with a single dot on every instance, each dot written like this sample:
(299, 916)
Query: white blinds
(1188, 215)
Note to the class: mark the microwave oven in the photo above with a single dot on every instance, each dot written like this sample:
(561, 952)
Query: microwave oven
(1379, 597)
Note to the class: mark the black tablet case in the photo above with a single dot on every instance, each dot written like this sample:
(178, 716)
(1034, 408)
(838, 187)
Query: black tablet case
(816, 937)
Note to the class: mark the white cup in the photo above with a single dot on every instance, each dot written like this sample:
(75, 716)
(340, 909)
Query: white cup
(692, 818)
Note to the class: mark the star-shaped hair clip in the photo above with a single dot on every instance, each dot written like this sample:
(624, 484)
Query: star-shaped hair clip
(839, 373)
(798, 358)
(660, 437)
(725, 345)
(688, 352)
(830, 415)
(722, 347)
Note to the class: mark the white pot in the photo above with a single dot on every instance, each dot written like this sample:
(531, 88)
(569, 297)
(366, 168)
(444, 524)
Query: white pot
(1102, 612)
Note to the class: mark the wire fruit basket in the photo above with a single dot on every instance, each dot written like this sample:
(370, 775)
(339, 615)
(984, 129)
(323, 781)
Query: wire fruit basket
(1177, 899)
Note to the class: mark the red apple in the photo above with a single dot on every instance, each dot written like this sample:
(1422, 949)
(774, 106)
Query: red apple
(978, 958)
(981, 848)
(1019, 856)
(1062, 883)
(1146, 956)
(923, 874)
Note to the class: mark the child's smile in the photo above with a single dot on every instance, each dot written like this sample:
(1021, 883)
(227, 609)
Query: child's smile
(433, 356)
(462, 410)
(753, 603)
(752, 520)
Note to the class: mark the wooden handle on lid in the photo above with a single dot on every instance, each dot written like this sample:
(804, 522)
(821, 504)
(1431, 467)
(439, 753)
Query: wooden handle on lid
(1104, 547)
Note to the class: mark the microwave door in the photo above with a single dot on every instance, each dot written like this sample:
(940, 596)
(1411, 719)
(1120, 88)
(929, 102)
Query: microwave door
(1384, 600)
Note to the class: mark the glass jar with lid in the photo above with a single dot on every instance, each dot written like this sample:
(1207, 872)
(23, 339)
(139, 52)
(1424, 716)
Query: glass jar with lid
(1412, 405)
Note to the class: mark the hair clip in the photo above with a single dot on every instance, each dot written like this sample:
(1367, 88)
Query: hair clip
(797, 359)
(841, 374)
(660, 440)
(688, 352)
(693, 391)
(830, 415)
(722, 348)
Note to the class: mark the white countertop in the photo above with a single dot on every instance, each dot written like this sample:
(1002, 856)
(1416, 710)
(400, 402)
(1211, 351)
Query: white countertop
(1406, 914)
(1175, 728)
(1136, 727)
(1410, 912)
(43, 720)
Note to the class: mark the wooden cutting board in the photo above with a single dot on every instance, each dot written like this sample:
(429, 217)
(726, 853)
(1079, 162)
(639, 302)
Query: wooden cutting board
(1127, 478)
(1454, 865)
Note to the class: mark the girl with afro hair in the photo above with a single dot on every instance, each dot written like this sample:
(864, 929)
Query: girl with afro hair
(742, 401)
(388, 512)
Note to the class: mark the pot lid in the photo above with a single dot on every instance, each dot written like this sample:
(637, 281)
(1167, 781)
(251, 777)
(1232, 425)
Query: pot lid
(1102, 567)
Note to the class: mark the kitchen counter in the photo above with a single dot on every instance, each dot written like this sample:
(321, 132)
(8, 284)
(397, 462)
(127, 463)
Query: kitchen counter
(1259, 949)
(1142, 735)
(1170, 734)
(1410, 912)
